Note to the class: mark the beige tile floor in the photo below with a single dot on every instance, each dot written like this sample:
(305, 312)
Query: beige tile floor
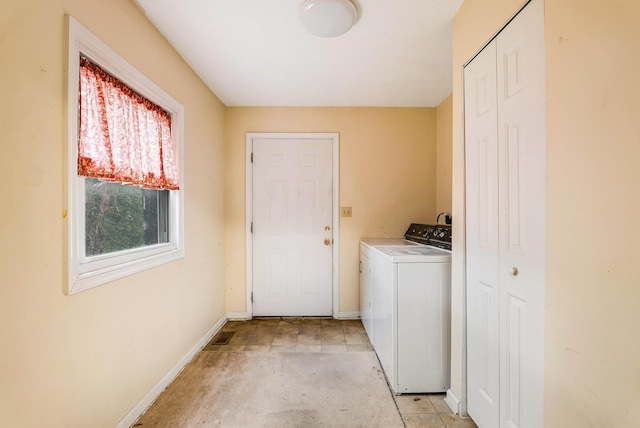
(329, 335)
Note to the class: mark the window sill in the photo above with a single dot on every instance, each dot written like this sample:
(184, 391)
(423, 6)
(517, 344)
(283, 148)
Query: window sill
(93, 277)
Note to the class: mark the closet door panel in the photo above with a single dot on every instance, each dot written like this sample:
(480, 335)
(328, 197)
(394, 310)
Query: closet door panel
(521, 137)
(481, 148)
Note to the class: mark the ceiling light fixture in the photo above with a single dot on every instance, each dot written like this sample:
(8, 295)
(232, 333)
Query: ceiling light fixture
(327, 18)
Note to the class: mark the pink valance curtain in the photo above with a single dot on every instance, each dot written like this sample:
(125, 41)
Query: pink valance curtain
(123, 136)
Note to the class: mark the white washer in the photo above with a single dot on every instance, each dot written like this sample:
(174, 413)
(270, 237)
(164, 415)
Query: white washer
(366, 245)
(410, 298)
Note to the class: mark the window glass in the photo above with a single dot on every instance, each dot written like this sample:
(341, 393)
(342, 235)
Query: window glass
(119, 217)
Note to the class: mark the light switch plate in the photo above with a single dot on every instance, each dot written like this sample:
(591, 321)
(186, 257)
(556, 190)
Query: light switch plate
(346, 212)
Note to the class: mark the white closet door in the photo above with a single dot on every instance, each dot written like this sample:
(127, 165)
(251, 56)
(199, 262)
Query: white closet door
(481, 147)
(521, 148)
(505, 225)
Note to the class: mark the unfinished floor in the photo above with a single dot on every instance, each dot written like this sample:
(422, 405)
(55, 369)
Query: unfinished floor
(292, 372)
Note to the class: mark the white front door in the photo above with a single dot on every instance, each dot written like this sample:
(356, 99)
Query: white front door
(292, 226)
(505, 179)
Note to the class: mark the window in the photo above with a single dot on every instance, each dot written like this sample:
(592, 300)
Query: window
(125, 172)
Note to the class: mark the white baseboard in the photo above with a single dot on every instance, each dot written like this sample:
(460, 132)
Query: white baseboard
(237, 316)
(453, 402)
(355, 315)
(151, 396)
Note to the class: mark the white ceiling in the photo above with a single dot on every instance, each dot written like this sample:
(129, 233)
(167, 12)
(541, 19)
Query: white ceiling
(256, 52)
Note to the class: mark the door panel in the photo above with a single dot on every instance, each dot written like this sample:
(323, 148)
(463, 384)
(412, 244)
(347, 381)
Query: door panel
(516, 361)
(513, 193)
(482, 238)
(487, 384)
(292, 217)
(521, 148)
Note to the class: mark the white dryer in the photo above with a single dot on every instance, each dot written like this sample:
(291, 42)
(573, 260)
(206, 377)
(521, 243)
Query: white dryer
(408, 321)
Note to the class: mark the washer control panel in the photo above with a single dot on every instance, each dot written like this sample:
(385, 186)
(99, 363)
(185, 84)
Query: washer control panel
(438, 235)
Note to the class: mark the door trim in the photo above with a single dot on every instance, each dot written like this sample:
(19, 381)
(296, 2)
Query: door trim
(335, 210)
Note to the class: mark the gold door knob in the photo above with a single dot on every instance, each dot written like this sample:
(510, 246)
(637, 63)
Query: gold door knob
(327, 241)
(513, 271)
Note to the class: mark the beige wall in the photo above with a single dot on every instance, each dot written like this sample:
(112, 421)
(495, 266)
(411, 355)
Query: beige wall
(593, 147)
(387, 174)
(85, 360)
(444, 146)
(592, 354)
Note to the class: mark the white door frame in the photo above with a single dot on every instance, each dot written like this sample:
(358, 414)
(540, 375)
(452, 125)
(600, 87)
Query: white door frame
(335, 208)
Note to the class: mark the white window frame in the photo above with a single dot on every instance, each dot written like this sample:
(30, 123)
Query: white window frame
(88, 272)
